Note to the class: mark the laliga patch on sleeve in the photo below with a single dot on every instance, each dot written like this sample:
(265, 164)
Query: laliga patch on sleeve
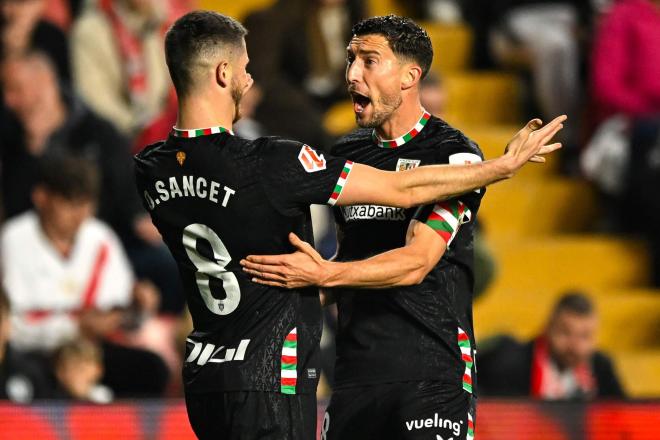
(463, 159)
(311, 160)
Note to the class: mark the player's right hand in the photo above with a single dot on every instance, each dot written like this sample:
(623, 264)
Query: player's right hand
(530, 144)
(303, 268)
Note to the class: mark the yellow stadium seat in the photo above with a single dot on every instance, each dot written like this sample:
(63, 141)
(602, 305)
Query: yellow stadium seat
(537, 207)
(639, 372)
(482, 98)
(340, 118)
(452, 46)
(386, 7)
(236, 9)
(630, 320)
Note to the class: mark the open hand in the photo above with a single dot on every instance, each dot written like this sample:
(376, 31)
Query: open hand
(303, 268)
(530, 144)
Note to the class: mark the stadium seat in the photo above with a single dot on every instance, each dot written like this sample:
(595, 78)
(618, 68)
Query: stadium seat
(482, 98)
(104, 423)
(385, 7)
(340, 118)
(452, 45)
(630, 320)
(537, 208)
(174, 424)
(638, 370)
(24, 423)
(236, 9)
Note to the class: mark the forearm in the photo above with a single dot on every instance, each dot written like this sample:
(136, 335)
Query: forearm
(382, 271)
(440, 182)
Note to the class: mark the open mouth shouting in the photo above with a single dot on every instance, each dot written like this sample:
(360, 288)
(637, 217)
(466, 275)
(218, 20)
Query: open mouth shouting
(360, 101)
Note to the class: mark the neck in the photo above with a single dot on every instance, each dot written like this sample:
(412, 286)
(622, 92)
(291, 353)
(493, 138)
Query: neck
(203, 113)
(63, 245)
(401, 121)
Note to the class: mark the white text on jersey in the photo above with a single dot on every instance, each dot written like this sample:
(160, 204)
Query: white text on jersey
(190, 186)
(209, 353)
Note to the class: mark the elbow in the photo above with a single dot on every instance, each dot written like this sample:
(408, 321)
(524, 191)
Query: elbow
(416, 275)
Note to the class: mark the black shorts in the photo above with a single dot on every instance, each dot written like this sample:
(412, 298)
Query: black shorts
(408, 410)
(252, 415)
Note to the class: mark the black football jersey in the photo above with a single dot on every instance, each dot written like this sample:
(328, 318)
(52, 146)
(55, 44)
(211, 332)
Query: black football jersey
(216, 198)
(421, 332)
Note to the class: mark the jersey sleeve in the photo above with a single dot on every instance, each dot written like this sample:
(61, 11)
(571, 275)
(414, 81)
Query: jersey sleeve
(295, 175)
(447, 217)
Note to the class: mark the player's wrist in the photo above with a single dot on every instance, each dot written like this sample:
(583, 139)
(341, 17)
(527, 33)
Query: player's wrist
(507, 165)
(329, 274)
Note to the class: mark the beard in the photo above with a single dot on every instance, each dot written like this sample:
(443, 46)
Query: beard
(387, 104)
(236, 95)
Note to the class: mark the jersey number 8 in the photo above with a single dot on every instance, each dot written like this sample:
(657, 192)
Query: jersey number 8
(215, 268)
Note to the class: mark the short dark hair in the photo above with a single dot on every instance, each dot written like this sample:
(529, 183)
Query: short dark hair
(194, 38)
(405, 37)
(574, 302)
(70, 177)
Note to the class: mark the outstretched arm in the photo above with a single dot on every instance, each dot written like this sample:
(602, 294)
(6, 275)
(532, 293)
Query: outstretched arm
(403, 266)
(432, 183)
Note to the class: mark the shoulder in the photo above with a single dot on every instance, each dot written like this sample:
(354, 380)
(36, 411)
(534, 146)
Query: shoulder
(90, 23)
(349, 141)
(451, 142)
(148, 153)
(95, 230)
(20, 227)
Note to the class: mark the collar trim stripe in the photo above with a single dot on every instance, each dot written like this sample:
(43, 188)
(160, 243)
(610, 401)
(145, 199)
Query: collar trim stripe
(394, 143)
(197, 132)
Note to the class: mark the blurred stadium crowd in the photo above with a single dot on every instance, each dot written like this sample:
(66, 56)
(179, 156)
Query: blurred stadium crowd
(568, 254)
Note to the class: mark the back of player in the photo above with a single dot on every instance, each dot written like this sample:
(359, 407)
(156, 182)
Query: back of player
(252, 357)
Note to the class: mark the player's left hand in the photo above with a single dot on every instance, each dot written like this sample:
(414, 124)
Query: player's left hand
(303, 268)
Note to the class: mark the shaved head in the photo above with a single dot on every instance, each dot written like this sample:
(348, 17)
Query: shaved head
(196, 43)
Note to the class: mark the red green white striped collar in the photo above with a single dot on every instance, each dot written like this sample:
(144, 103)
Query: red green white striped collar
(196, 132)
(394, 143)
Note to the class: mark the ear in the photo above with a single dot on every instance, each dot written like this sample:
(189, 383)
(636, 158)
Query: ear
(412, 74)
(39, 196)
(223, 74)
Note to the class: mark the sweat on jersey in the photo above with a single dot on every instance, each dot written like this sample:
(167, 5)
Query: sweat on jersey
(216, 198)
(421, 332)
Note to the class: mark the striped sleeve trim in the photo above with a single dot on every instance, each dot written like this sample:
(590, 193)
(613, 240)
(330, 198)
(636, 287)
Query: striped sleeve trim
(466, 355)
(289, 363)
(341, 182)
(447, 217)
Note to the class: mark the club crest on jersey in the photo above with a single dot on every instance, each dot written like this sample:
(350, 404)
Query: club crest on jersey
(311, 160)
(407, 164)
(180, 157)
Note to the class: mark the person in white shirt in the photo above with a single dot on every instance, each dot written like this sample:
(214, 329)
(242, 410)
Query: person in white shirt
(66, 273)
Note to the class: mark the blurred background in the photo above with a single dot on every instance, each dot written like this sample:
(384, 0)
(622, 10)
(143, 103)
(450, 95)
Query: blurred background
(92, 317)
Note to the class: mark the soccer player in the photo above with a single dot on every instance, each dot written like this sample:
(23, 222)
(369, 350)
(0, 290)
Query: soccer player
(252, 361)
(405, 355)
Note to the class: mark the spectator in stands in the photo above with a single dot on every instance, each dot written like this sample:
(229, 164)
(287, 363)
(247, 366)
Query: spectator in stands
(432, 94)
(626, 87)
(22, 29)
(66, 275)
(118, 61)
(79, 369)
(48, 119)
(298, 60)
(21, 380)
(560, 364)
(543, 35)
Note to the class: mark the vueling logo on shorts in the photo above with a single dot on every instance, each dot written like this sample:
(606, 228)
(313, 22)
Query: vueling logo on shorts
(204, 353)
(435, 422)
(372, 212)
